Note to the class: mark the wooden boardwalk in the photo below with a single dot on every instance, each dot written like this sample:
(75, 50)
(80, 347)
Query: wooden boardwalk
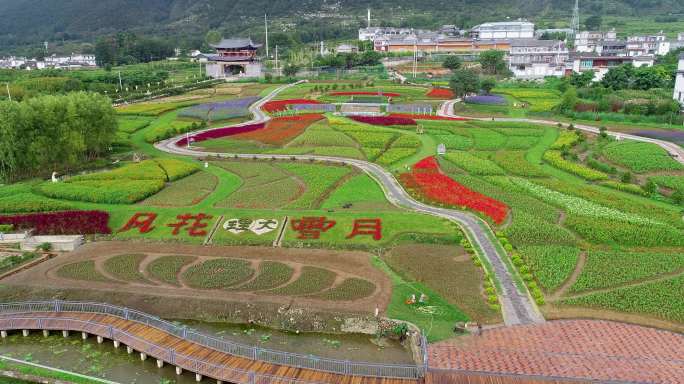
(184, 354)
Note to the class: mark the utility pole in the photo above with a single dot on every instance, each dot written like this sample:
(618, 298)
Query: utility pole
(415, 60)
(575, 19)
(276, 61)
(266, 27)
(8, 92)
(369, 18)
(120, 82)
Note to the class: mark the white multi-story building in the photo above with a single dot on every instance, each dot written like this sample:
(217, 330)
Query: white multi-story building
(679, 82)
(648, 45)
(373, 33)
(600, 65)
(588, 41)
(536, 59)
(504, 30)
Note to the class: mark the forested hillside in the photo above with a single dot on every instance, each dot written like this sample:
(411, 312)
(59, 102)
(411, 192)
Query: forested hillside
(30, 22)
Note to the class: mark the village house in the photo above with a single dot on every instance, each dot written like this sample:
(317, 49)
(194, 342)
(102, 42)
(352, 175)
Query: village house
(347, 48)
(503, 30)
(648, 45)
(234, 58)
(588, 41)
(600, 65)
(536, 59)
(439, 44)
(679, 82)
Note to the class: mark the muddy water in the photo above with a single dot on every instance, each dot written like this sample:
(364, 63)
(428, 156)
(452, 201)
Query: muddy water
(103, 360)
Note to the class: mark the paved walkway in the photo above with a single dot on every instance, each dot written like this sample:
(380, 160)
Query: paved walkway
(517, 306)
(584, 349)
(677, 152)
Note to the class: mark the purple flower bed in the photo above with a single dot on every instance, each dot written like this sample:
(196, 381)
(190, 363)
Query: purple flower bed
(219, 111)
(61, 223)
(219, 133)
(486, 99)
(676, 137)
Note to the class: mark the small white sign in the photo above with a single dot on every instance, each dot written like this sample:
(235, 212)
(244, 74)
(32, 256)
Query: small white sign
(258, 227)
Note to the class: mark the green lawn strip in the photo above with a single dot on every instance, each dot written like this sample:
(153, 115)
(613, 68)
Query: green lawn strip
(551, 265)
(361, 191)
(126, 268)
(312, 280)
(535, 154)
(605, 269)
(185, 192)
(82, 270)
(167, 268)
(271, 274)
(436, 320)
(43, 373)
(662, 299)
(218, 274)
(319, 180)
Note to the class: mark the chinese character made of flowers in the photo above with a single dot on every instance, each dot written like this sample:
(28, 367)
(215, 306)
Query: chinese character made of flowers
(310, 228)
(371, 227)
(195, 224)
(142, 221)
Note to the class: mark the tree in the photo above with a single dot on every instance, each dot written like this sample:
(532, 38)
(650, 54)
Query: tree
(568, 101)
(618, 78)
(581, 80)
(487, 84)
(593, 23)
(290, 70)
(493, 62)
(464, 81)
(213, 37)
(452, 62)
(651, 187)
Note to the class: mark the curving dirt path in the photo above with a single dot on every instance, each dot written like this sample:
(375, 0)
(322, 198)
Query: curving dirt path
(516, 303)
(581, 262)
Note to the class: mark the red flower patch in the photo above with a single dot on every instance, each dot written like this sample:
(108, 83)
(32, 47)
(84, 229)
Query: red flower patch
(441, 93)
(61, 223)
(281, 130)
(281, 105)
(219, 133)
(427, 179)
(386, 94)
(384, 120)
(426, 117)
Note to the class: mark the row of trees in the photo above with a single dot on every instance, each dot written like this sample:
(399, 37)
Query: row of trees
(492, 62)
(53, 133)
(127, 48)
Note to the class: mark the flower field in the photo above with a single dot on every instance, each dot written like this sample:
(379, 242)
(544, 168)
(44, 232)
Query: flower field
(556, 159)
(551, 265)
(441, 93)
(384, 120)
(486, 100)
(365, 93)
(427, 179)
(640, 157)
(281, 105)
(223, 110)
(219, 133)
(281, 130)
(473, 164)
(61, 223)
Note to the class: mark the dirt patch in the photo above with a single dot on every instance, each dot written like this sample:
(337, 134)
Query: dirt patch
(552, 312)
(345, 264)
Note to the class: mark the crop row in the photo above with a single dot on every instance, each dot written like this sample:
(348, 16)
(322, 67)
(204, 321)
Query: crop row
(555, 158)
(473, 164)
(640, 157)
(61, 223)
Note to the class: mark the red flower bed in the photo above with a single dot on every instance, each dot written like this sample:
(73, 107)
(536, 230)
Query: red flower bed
(384, 120)
(441, 93)
(219, 133)
(426, 117)
(61, 223)
(281, 130)
(427, 179)
(281, 105)
(352, 93)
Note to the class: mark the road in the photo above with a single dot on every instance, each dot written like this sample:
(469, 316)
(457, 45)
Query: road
(517, 307)
(677, 152)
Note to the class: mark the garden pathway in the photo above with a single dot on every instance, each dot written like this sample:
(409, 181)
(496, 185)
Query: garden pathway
(677, 152)
(516, 303)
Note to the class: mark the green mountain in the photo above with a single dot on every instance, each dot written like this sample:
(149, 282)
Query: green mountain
(27, 23)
